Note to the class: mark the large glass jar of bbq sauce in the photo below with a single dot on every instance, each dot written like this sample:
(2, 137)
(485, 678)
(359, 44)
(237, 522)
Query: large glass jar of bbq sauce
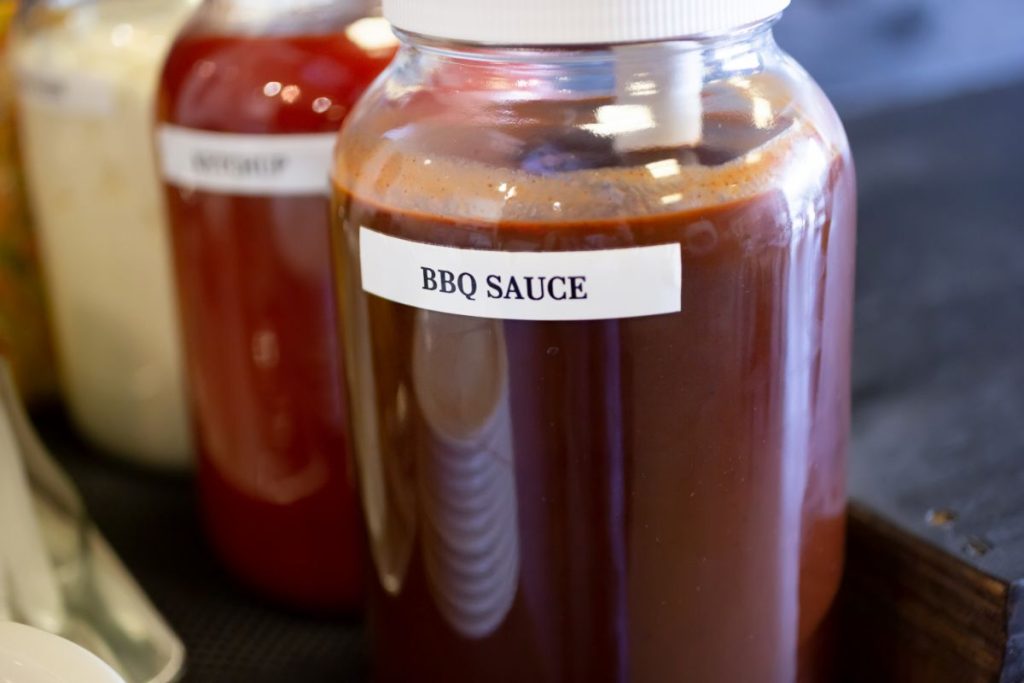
(252, 97)
(597, 320)
(86, 75)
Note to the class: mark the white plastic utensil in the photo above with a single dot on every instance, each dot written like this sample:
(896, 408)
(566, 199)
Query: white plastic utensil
(28, 655)
(5, 603)
(56, 570)
(35, 589)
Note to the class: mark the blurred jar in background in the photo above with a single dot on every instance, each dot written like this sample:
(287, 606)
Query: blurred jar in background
(252, 96)
(87, 73)
(24, 333)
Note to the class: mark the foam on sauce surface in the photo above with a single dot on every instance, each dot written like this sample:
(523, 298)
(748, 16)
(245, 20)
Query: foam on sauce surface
(393, 174)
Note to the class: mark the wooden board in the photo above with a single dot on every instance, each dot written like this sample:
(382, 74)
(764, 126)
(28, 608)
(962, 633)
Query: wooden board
(936, 553)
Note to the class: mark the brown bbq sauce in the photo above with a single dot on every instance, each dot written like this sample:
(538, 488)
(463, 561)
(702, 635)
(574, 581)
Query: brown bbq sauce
(653, 499)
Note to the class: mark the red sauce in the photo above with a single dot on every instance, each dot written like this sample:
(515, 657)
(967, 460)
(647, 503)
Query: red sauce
(259, 319)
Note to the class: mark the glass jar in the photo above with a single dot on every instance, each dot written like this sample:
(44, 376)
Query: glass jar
(87, 73)
(252, 97)
(24, 331)
(596, 270)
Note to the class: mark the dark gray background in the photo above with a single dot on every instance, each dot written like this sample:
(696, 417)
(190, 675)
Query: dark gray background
(872, 54)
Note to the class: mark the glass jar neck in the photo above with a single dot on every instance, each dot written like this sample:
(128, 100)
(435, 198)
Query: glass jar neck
(644, 95)
(732, 53)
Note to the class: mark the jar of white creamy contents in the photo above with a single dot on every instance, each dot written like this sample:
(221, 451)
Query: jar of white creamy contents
(87, 73)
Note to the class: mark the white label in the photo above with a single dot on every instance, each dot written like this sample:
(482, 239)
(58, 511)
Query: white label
(232, 163)
(72, 92)
(504, 285)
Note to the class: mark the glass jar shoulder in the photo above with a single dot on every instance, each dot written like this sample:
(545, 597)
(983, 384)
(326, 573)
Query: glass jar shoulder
(79, 16)
(109, 40)
(494, 144)
(264, 84)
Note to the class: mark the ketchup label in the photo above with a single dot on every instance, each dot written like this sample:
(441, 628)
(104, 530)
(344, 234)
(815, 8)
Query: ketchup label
(565, 285)
(232, 163)
(73, 92)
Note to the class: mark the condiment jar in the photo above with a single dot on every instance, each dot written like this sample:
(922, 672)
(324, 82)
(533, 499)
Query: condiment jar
(252, 97)
(86, 75)
(596, 263)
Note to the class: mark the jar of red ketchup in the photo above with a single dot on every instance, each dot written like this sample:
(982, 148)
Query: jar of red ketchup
(252, 96)
(596, 267)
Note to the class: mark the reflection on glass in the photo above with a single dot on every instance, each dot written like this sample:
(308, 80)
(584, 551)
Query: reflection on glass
(386, 486)
(466, 478)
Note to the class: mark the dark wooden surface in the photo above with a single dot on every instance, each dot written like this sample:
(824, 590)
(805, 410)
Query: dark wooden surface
(939, 426)
(913, 613)
(937, 542)
(939, 369)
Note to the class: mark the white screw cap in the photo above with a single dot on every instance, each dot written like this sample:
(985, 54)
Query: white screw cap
(574, 22)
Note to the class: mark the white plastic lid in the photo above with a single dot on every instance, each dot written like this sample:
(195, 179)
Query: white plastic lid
(574, 22)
